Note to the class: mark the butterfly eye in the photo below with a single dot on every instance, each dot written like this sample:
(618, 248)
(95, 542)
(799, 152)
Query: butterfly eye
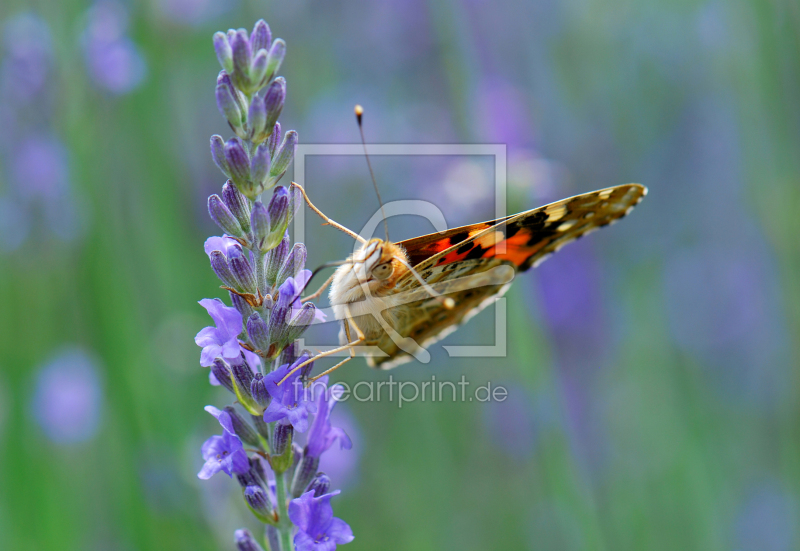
(382, 271)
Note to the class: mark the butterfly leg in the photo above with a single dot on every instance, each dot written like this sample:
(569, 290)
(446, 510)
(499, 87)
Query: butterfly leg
(361, 338)
(330, 221)
(319, 291)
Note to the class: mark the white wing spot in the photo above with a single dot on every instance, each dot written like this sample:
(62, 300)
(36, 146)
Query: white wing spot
(556, 213)
(567, 225)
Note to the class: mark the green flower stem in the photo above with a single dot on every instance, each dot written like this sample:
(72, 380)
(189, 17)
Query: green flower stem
(284, 524)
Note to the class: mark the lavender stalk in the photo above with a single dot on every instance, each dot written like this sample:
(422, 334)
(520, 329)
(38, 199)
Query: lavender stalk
(251, 346)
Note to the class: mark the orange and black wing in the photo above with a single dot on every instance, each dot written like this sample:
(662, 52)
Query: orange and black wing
(477, 253)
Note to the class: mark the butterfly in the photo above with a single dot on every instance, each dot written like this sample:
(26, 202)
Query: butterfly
(395, 299)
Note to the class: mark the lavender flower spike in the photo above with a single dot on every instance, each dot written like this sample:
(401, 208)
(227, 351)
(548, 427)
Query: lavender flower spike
(264, 282)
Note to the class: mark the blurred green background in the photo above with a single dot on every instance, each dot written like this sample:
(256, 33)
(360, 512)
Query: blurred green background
(652, 368)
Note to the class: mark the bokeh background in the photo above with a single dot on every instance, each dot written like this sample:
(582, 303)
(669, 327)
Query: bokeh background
(652, 368)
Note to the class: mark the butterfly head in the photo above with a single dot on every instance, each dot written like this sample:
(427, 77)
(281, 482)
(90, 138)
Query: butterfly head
(377, 265)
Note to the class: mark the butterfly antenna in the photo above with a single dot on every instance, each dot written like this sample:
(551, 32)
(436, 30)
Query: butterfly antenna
(359, 113)
(447, 302)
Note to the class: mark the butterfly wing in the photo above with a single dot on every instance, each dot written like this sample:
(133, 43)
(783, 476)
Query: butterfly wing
(449, 259)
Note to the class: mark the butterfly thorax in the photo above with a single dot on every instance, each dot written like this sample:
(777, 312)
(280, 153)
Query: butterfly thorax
(365, 282)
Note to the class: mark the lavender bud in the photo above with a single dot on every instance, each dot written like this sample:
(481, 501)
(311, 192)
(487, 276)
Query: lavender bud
(242, 59)
(275, 260)
(295, 200)
(273, 537)
(288, 354)
(229, 107)
(279, 210)
(237, 203)
(300, 322)
(293, 264)
(258, 501)
(258, 71)
(259, 391)
(259, 166)
(224, 51)
(258, 331)
(281, 438)
(218, 153)
(257, 120)
(261, 426)
(242, 428)
(259, 222)
(245, 541)
(242, 271)
(320, 484)
(283, 156)
(242, 379)
(222, 372)
(274, 139)
(239, 165)
(223, 217)
(274, 100)
(261, 36)
(219, 263)
(239, 303)
(278, 327)
(303, 474)
(276, 54)
(225, 78)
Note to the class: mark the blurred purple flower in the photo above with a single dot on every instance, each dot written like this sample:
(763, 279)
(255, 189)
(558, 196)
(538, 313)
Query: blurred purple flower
(319, 530)
(221, 340)
(724, 309)
(511, 423)
(68, 397)
(339, 462)
(223, 453)
(114, 62)
(767, 520)
(28, 53)
(39, 168)
(570, 296)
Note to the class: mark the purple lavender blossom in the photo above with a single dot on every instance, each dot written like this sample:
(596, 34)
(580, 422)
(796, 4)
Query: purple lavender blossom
(223, 453)
(114, 62)
(68, 397)
(220, 341)
(223, 417)
(291, 403)
(319, 530)
(322, 435)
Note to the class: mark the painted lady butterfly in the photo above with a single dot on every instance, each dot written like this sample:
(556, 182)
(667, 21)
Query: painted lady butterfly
(394, 299)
